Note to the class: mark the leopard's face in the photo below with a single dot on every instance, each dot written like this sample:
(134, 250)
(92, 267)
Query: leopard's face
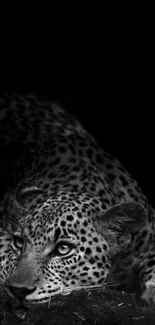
(58, 250)
(65, 245)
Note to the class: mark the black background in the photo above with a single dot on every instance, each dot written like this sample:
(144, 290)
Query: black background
(86, 71)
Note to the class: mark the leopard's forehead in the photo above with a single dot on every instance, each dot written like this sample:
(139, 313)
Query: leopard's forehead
(69, 215)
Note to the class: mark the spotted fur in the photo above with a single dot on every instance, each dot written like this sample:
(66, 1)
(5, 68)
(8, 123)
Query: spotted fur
(70, 214)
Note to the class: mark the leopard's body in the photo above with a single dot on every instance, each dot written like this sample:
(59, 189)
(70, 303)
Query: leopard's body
(68, 209)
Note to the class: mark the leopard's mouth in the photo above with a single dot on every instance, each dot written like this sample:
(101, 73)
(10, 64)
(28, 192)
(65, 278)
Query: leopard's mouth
(19, 293)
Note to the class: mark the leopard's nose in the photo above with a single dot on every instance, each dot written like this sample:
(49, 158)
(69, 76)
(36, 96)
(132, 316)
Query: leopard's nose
(21, 292)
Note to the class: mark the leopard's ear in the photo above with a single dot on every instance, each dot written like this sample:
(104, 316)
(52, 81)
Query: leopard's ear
(23, 196)
(127, 216)
(119, 221)
(26, 193)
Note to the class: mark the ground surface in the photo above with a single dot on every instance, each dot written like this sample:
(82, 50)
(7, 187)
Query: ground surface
(89, 308)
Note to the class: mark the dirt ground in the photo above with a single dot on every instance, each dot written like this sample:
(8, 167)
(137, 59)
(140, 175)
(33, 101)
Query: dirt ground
(90, 308)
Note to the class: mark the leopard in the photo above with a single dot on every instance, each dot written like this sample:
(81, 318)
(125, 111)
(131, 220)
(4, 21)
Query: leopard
(71, 216)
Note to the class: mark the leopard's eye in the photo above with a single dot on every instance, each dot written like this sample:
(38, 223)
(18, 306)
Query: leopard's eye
(17, 242)
(63, 249)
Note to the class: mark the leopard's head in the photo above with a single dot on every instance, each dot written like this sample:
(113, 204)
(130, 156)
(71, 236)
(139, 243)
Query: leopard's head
(65, 244)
